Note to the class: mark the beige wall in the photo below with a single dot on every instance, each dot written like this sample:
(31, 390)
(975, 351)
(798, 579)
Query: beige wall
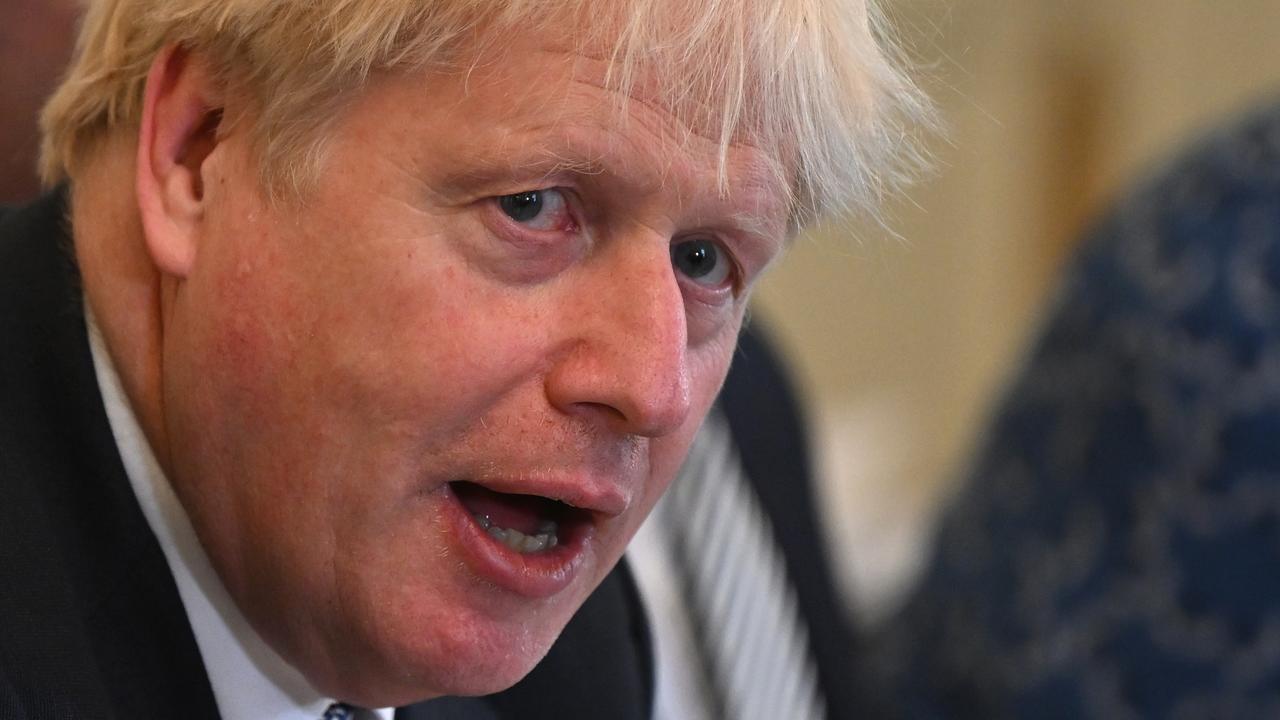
(902, 343)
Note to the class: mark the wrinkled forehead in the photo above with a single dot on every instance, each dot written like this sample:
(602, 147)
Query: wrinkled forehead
(538, 112)
(581, 72)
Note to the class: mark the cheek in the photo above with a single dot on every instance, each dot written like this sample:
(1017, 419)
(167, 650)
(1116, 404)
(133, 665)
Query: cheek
(431, 344)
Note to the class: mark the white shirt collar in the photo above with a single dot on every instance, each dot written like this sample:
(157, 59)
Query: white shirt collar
(250, 680)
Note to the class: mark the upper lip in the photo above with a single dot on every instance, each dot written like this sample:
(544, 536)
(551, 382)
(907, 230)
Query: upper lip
(585, 491)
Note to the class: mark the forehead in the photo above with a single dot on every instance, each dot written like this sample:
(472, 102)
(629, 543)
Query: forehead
(535, 106)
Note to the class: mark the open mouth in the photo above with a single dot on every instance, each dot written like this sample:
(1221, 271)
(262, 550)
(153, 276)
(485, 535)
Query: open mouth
(527, 524)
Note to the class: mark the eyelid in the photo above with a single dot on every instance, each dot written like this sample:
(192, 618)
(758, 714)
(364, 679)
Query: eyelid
(516, 182)
(553, 207)
(569, 208)
(735, 279)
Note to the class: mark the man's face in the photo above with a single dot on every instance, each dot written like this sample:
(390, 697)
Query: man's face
(499, 307)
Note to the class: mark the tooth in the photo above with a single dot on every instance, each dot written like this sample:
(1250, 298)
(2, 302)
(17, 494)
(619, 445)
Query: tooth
(515, 540)
(544, 539)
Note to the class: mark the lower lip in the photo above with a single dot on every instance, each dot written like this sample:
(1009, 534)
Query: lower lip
(533, 575)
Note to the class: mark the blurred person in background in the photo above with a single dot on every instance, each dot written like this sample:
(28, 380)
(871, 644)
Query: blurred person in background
(1116, 550)
(337, 421)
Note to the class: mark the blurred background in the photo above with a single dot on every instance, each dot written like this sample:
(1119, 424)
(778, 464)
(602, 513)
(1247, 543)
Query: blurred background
(902, 343)
(901, 340)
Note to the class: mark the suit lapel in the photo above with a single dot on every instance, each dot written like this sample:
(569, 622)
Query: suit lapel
(98, 626)
(770, 436)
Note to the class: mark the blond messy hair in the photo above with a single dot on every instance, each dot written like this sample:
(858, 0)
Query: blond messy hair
(816, 77)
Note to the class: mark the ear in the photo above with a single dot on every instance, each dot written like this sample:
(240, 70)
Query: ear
(181, 112)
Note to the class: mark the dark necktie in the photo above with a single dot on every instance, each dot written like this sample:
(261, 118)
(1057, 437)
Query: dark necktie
(742, 603)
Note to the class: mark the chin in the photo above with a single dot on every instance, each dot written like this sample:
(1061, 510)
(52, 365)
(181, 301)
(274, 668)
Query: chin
(492, 674)
(474, 657)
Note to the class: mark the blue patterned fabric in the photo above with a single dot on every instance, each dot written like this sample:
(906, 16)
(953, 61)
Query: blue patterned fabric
(1116, 553)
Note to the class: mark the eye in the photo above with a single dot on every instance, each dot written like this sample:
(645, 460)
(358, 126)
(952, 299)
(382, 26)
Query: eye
(701, 260)
(537, 209)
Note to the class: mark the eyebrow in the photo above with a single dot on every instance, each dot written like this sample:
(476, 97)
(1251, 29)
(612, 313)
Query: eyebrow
(538, 164)
(753, 224)
(560, 154)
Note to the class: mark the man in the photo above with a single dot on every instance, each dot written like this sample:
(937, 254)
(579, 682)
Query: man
(381, 326)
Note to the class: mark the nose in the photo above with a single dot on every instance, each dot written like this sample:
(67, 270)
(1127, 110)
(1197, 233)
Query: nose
(626, 362)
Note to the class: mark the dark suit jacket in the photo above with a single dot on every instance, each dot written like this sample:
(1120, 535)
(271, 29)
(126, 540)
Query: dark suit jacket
(91, 624)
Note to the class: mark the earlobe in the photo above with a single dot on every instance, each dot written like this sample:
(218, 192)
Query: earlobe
(181, 114)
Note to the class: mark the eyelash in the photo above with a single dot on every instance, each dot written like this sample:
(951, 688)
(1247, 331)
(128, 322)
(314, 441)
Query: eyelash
(709, 295)
(565, 205)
